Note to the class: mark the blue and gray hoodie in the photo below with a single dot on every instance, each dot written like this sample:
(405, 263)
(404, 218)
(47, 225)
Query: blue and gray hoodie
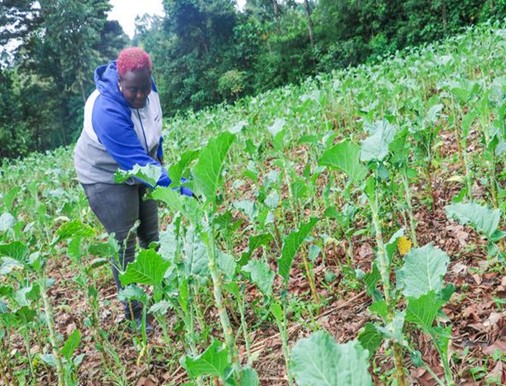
(117, 136)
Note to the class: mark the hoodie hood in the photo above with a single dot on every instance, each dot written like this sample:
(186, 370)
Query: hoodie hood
(106, 80)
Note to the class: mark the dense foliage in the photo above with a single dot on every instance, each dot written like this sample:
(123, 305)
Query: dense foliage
(56, 45)
(208, 52)
(368, 203)
(205, 51)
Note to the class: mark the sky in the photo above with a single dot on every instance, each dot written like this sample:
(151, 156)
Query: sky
(125, 11)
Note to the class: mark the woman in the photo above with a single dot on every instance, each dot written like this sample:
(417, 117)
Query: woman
(122, 128)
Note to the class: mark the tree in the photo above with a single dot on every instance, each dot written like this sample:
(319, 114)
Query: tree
(195, 41)
(60, 42)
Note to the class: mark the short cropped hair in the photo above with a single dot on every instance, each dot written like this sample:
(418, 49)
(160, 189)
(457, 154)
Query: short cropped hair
(133, 59)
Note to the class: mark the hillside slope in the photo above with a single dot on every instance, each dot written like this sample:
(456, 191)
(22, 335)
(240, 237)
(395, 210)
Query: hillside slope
(434, 119)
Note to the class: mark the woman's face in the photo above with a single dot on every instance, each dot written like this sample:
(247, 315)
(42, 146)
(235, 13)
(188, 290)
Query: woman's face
(135, 87)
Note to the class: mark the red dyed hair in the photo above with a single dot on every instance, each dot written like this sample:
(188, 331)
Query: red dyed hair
(133, 59)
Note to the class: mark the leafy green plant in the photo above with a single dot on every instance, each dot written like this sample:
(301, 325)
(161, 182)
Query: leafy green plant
(319, 360)
(483, 220)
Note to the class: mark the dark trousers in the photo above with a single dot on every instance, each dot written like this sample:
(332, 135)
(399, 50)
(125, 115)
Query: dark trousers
(120, 208)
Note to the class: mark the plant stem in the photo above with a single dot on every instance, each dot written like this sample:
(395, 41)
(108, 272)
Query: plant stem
(407, 191)
(26, 339)
(240, 303)
(429, 184)
(399, 366)
(310, 278)
(433, 374)
(384, 266)
(467, 173)
(52, 332)
(284, 336)
(493, 187)
(444, 361)
(218, 299)
(461, 147)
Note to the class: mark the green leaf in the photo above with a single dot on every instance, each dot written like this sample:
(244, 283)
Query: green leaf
(442, 337)
(48, 359)
(16, 250)
(290, 246)
(149, 174)
(207, 171)
(6, 290)
(375, 147)
(447, 292)
(21, 296)
(253, 243)
(176, 203)
(71, 344)
(74, 229)
(277, 126)
(276, 311)
(7, 221)
(160, 308)
(227, 264)
(480, 218)
(107, 249)
(372, 278)
(25, 315)
(176, 170)
(3, 307)
(8, 199)
(393, 330)
(370, 338)
(320, 361)
(132, 292)
(96, 263)
(380, 308)
(432, 115)
(272, 200)
(423, 271)
(197, 261)
(8, 265)
(314, 251)
(148, 268)
(416, 357)
(391, 246)
(261, 275)
(184, 295)
(423, 310)
(168, 243)
(249, 377)
(212, 362)
(248, 207)
(345, 156)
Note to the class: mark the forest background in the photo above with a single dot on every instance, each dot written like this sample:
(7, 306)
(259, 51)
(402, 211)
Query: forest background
(204, 52)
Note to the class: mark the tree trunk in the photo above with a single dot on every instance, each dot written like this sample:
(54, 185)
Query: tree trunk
(275, 7)
(309, 22)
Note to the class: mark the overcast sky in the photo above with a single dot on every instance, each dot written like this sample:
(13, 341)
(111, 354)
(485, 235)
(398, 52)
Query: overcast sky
(125, 11)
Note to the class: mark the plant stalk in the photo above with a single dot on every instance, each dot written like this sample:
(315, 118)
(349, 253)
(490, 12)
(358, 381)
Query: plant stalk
(284, 336)
(310, 278)
(412, 221)
(385, 277)
(52, 332)
(244, 329)
(218, 299)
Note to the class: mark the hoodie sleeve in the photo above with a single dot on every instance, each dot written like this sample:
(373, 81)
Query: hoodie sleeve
(114, 129)
(159, 152)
